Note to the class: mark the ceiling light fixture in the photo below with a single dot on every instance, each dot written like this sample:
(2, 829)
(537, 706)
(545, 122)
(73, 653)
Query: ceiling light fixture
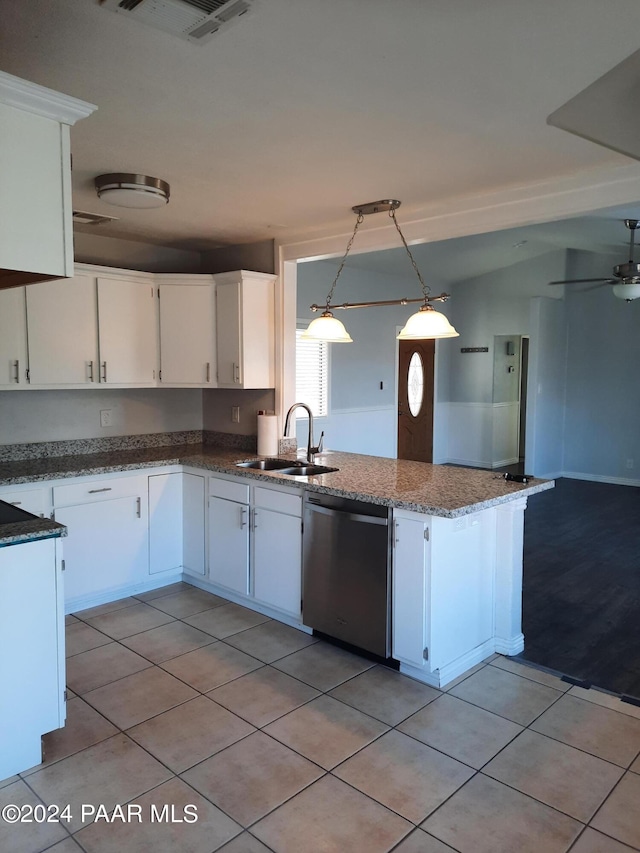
(426, 323)
(128, 190)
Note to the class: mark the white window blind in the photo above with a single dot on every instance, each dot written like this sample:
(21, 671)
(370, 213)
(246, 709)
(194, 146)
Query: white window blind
(312, 371)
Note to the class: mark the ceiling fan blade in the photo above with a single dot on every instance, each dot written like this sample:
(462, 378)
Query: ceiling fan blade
(586, 281)
(595, 286)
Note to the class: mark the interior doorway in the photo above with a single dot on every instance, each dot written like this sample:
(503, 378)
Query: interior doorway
(524, 373)
(416, 360)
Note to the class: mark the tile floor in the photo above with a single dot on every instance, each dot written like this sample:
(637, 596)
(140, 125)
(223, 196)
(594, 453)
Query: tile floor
(182, 703)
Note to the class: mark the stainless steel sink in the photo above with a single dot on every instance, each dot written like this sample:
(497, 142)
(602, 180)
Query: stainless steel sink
(307, 470)
(266, 464)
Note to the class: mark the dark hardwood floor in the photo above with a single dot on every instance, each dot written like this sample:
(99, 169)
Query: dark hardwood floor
(581, 598)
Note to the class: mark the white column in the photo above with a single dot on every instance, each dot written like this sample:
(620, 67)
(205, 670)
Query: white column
(509, 639)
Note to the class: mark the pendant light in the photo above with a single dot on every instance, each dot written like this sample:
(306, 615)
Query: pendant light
(427, 323)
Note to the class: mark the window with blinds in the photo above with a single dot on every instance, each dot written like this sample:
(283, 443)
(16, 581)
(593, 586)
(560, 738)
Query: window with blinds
(312, 376)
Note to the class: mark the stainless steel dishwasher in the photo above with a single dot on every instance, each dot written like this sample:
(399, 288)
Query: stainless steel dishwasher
(347, 571)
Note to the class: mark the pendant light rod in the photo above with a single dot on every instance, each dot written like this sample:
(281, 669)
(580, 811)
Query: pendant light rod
(441, 298)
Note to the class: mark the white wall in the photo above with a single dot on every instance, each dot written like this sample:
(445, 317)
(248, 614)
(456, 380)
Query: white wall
(217, 404)
(32, 416)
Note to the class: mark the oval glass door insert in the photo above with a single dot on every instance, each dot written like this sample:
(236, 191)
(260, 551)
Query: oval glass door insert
(415, 384)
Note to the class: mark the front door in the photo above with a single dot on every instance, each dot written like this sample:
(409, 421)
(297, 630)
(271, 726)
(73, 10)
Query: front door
(415, 400)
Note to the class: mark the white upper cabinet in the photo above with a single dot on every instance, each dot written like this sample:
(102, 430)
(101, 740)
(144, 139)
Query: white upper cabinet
(62, 320)
(127, 331)
(36, 237)
(187, 331)
(245, 321)
(13, 338)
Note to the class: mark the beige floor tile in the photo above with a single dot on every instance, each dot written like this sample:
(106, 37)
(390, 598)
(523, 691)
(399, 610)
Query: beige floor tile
(138, 697)
(408, 777)
(636, 765)
(323, 666)
(620, 813)
(271, 641)
(463, 731)
(190, 733)
(606, 700)
(84, 727)
(510, 665)
(130, 620)
(335, 819)
(25, 837)
(264, 695)
(69, 619)
(595, 842)
(210, 666)
(109, 607)
(326, 731)
(421, 842)
(226, 620)
(487, 817)
(188, 602)
(102, 665)
(556, 774)
(168, 641)
(114, 771)
(454, 683)
(518, 699)
(212, 828)
(252, 777)
(587, 726)
(67, 846)
(9, 780)
(80, 638)
(244, 843)
(384, 694)
(161, 591)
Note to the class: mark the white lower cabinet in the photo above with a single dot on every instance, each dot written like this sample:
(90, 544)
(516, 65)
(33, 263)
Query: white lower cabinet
(31, 651)
(443, 592)
(31, 500)
(176, 523)
(255, 542)
(107, 546)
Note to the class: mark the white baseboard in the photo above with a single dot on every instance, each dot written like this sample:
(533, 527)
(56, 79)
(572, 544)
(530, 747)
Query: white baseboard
(502, 462)
(83, 602)
(468, 463)
(443, 676)
(600, 478)
(509, 645)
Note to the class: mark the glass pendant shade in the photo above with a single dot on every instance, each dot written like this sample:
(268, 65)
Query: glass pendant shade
(326, 328)
(427, 323)
(627, 291)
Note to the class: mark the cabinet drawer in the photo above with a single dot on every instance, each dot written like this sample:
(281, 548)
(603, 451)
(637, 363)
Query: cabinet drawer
(231, 490)
(31, 500)
(99, 490)
(277, 501)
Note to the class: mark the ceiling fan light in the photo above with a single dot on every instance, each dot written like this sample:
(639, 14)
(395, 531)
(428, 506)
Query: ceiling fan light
(326, 328)
(134, 191)
(627, 291)
(427, 323)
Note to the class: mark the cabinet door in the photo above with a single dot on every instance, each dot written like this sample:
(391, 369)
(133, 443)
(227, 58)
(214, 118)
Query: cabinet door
(62, 323)
(13, 337)
(229, 544)
(277, 560)
(106, 547)
(187, 319)
(193, 524)
(127, 332)
(165, 522)
(409, 591)
(228, 334)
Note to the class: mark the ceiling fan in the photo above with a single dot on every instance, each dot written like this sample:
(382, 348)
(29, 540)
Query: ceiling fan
(626, 277)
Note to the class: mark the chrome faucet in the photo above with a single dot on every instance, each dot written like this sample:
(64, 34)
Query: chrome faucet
(311, 450)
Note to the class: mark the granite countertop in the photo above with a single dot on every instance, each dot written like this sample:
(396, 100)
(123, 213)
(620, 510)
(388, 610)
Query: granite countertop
(441, 490)
(18, 526)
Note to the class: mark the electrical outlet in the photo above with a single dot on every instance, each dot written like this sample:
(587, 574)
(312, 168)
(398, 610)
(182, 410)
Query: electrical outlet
(106, 417)
(235, 414)
(629, 463)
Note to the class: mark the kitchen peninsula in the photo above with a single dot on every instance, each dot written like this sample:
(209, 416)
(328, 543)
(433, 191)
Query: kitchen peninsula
(457, 536)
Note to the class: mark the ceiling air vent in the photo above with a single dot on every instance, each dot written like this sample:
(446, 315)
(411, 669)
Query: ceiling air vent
(195, 20)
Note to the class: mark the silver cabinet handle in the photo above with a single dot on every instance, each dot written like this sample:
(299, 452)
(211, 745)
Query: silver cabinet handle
(16, 503)
(104, 371)
(208, 379)
(90, 371)
(236, 372)
(243, 517)
(17, 367)
(395, 531)
(255, 519)
(139, 507)
(95, 491)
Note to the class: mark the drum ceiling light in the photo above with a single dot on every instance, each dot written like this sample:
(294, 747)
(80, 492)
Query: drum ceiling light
(124, 189)
(426, 323)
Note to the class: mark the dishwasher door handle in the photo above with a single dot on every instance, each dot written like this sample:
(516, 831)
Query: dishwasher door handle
(349, 516)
